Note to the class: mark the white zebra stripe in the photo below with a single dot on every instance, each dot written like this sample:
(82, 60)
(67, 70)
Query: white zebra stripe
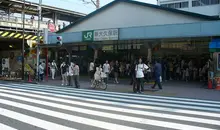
(32, 121)
(100, 124)
(127, 94)
(115, 98)
(86, 111)
(132, 96)
(5, 127)
(81, 120)
(147, 107)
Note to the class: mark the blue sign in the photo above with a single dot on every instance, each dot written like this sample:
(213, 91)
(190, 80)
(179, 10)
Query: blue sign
(19, 58)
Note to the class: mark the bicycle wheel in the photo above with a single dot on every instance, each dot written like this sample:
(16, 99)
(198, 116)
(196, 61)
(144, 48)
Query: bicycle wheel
(94, 84)
(103, 86)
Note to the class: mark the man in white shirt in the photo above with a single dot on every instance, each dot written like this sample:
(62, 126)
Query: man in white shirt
(106, 70)
(76, 71)
(70, 74)
(91, 70)
(140, 68)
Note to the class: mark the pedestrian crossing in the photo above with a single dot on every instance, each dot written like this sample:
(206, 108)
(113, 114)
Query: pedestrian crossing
(33, 106)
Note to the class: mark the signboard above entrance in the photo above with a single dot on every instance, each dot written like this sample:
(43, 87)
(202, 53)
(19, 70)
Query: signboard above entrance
(87, 36)
(108, 34)
(100, 35)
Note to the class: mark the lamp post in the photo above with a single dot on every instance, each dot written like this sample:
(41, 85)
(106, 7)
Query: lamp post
(38, 37)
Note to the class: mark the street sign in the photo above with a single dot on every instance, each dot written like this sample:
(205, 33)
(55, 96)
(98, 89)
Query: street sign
(88, 36)
(107, 34)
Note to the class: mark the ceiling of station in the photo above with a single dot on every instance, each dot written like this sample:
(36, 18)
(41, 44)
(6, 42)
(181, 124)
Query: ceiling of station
(16, 6)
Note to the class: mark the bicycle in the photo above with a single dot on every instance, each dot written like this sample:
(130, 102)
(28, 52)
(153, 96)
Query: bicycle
(100, 83)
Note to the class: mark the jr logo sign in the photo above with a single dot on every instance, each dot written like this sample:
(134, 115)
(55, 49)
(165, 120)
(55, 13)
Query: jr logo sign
(87, 36)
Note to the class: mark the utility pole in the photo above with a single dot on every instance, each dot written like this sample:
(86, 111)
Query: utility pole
(23, 40)
(38, 37)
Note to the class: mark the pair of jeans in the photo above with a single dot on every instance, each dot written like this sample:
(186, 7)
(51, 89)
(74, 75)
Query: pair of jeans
(140, 84)
(64, 79)
(76, 80)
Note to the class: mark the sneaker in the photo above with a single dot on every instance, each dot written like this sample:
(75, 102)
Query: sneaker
(62, 84)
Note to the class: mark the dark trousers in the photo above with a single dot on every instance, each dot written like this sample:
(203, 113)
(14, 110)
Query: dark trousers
(132, 78)
(41, 77)
(157, 83)
(76, 80)
(140, 84)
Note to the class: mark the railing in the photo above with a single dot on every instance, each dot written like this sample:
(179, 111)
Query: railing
(17, 22)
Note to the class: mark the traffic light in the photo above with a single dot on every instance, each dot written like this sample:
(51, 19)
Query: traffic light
(59, 40)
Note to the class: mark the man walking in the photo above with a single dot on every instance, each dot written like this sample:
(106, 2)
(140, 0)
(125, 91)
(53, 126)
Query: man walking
(157, 71)
(76, 75)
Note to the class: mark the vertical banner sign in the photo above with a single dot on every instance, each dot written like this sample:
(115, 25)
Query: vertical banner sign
(87, 36)
(107, 34)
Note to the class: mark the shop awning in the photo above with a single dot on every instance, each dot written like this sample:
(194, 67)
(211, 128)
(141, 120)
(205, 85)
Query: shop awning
(18, 35)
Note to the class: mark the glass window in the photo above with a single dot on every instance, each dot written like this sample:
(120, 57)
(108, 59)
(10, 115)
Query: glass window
(204, 2)
(177, 5)
(184, 4)
(195, 3)
(171, 5)
(164, 5)
(213, 2)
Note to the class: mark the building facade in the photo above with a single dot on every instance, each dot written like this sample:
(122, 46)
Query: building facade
(205, 7)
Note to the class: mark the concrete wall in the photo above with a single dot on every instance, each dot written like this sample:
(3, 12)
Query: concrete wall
(129, 15)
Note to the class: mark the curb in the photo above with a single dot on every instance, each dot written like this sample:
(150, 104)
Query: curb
(18, 81)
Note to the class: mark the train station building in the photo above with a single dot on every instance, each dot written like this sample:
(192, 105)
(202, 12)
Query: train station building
(125, 30)
(131, 28)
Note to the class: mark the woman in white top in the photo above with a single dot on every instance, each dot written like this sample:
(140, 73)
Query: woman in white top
(140, 68)
(91, 70)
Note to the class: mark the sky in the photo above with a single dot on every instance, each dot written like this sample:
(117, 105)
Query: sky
(78, 6)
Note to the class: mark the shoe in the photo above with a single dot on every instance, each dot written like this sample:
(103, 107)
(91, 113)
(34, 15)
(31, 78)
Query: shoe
(62, 84)
(152, 87)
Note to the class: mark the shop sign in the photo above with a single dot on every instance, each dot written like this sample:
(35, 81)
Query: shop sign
(51, 27)
(107, 48)
(87, 36)
(108, 34)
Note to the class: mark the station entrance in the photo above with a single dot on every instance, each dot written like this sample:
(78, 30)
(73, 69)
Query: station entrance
(183, 59)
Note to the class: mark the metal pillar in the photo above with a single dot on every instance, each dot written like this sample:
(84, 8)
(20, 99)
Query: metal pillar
(55, 20)
(23, 40)
(38, 34)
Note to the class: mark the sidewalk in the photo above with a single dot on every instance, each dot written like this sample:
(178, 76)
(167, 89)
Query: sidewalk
(170, 88)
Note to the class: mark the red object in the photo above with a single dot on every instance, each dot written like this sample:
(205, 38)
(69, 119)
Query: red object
(29, 78)
(51, 27)
(210, 84)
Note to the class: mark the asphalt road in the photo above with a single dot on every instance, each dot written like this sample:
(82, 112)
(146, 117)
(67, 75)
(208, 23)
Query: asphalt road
(38, 107)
